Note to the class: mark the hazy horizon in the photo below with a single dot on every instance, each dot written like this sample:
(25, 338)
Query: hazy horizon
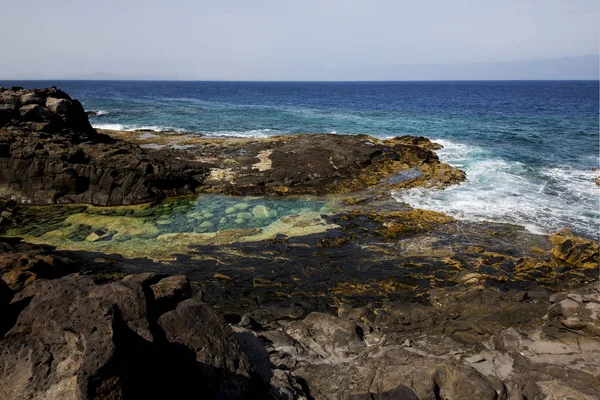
(328, 40)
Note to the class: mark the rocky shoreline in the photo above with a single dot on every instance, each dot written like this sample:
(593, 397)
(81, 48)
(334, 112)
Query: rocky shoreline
(370, 300)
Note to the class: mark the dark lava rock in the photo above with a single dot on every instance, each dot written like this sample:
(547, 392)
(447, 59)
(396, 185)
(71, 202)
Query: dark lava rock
(5, 296)
(49, 153)
(197, 327)
(77, 339)
(9, 215)
(168, 292)
(23, 263)
(319, 164)
(400, 393)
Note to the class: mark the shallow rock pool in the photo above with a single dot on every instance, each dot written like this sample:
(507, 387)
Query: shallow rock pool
(163, 229)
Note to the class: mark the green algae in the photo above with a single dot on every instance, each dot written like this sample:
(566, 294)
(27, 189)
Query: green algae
(159, 231)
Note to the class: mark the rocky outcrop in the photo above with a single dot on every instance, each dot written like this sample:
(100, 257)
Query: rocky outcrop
(9, 215)
(46, 110)
(49, 153)
(392, 303)
(150, 336)
(309, 164)
(77, 339)
(23, 263)
(469, 343)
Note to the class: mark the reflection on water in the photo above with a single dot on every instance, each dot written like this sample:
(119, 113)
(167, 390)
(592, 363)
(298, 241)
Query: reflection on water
(163, 229)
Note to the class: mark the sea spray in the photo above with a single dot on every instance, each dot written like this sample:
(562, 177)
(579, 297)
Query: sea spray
(541, 199)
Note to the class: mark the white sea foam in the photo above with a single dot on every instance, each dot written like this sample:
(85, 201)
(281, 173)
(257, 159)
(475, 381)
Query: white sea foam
(131, 128)
(147, 135)
(542, 200)
(255, 133)
(101, 112)
(111, 127)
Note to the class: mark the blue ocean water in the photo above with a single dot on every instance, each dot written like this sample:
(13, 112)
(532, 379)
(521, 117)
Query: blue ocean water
(529, 148)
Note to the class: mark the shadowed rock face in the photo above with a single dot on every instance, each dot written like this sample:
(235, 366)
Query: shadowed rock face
(49, 153)
(77, 339)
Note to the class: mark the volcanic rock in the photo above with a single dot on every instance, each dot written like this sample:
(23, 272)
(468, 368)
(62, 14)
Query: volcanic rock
(78, 339)
(574, 250)
(49, 153)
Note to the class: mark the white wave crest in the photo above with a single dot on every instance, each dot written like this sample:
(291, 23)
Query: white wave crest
(131, 128)
(499, 190)
(255, 133)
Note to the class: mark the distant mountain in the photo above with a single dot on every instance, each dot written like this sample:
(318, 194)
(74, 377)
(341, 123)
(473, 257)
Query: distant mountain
(109, 76)
(564, 68)
(583, 68)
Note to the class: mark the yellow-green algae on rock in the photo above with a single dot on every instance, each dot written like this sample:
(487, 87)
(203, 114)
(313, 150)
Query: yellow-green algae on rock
(159, 231)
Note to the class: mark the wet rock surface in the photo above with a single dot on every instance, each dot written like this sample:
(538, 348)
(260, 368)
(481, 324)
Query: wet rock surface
(399, 303)
(369, 257)
(308, 164)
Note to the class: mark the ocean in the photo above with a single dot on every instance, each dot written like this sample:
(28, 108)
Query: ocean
(530, 148)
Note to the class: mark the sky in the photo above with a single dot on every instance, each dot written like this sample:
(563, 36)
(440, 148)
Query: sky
(299, 40)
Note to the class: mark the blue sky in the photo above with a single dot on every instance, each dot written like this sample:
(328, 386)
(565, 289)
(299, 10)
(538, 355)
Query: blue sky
(300, 40)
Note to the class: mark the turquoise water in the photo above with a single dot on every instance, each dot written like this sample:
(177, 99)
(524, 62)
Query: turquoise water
(529, 148)
(162, 231)
(206, 214)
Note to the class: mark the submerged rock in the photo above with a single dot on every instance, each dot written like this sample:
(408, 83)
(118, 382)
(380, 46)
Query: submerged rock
(260, 212)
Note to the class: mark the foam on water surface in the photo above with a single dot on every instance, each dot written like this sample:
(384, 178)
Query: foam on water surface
(132, 128)
(541, 199)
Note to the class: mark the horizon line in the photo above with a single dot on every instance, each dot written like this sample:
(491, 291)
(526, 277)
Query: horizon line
(297, 81)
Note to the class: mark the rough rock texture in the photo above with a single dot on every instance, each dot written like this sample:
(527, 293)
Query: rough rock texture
(427, 307)
(48, 110)
(199, 328)
(77, 339)
(49, 153)
(470, 343)
(310, 164)
(9, 216)
(574, 250)
(23, 263)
